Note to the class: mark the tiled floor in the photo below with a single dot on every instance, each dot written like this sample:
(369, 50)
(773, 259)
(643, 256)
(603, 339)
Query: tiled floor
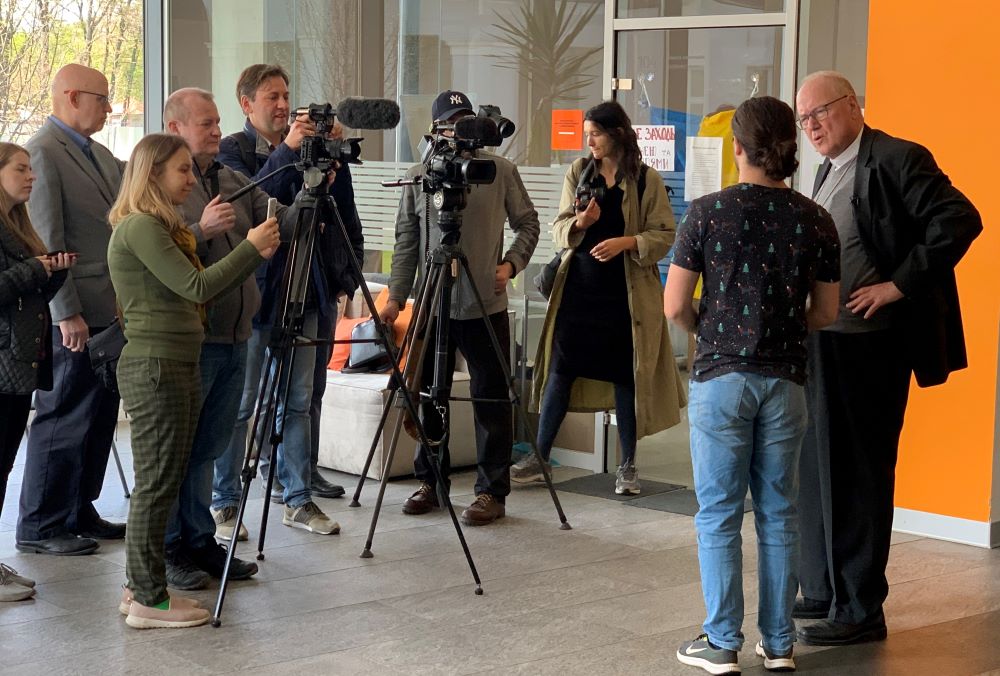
(614, 595)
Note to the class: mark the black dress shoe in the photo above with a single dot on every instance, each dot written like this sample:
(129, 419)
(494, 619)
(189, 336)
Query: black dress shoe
(212, 559)
(321, 488)
(829, 632)
(66, 544)
(103, 530)
(810, 609)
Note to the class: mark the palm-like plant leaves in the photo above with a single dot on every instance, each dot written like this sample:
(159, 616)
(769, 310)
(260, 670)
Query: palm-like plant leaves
(540, 39)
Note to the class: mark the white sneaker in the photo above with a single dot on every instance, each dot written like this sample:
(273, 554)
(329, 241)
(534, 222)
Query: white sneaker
(225, 523)
(627, 480)
(12, 574)
(311, 518)
(528, 470)
(11, 588)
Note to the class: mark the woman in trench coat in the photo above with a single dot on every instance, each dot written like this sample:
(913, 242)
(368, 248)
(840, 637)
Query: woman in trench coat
(604, 343)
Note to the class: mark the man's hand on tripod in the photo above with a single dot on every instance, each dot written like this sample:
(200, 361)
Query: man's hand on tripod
(217, 218)
(265, 237)
(389, 313)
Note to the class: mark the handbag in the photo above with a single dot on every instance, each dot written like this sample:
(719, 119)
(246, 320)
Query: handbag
(546, 277)
(370, 357)
(105, 347)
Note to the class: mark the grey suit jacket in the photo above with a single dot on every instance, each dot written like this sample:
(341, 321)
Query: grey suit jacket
(69, 208)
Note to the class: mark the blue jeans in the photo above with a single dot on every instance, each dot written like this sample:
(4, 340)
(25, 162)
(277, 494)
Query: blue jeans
(747, 429)
(293, 471)
(222, 373)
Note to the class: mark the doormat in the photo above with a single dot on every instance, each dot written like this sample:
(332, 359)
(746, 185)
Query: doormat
(678, 502)
(603, 486)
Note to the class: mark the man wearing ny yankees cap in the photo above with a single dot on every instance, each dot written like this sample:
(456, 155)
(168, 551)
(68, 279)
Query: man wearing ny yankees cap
(491, 266)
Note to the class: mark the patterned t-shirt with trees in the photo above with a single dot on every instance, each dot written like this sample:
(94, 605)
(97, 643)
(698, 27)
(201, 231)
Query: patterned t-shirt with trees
(759, 250)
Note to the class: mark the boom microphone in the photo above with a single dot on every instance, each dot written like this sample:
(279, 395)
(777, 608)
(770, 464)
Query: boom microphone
(363, 113)
(473, 128)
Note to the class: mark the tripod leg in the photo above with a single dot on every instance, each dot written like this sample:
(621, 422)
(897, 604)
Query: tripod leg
(515, 397)
(248, 471)
(440, 289)
(384, 480)
(395, 387)
(371, 451)
(262, 420)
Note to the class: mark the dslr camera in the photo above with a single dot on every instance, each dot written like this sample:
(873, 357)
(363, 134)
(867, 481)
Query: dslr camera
(590, 186)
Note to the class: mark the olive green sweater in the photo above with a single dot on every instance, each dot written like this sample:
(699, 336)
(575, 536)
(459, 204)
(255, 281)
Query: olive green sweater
(158, 288)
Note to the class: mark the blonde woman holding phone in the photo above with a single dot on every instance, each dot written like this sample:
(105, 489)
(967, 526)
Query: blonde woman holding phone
(162, 288)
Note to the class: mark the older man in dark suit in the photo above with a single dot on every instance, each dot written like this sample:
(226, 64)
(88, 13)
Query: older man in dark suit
(71, 435)
(903, 227)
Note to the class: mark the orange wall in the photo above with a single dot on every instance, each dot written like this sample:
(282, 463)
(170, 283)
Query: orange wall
(933, 78)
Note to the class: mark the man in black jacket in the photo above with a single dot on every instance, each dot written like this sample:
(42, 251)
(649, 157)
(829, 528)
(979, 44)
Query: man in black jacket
(903, 227)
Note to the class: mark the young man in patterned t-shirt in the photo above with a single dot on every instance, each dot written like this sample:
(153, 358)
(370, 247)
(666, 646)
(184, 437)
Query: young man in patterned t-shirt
(770, 259)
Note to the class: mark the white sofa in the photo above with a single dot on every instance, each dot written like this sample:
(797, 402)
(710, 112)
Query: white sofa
(352, 407)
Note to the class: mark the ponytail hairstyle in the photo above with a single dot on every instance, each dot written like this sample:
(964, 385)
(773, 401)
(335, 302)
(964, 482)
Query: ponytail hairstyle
(612, 119)
(141, 191)
(765, 127)
(15, 216)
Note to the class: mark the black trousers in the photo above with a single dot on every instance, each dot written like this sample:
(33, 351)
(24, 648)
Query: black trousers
(68, 447)
(494, 425)
(15, 409)
(856, 392)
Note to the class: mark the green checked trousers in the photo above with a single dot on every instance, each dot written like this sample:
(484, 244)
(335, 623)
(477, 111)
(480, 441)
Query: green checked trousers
(163, 399)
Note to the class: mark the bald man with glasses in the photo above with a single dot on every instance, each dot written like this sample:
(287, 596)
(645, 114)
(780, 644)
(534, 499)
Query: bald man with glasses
(70, 437)
(903, 227)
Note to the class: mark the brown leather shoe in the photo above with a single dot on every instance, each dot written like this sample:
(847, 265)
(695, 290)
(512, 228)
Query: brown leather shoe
(423, 500)
(483, 511)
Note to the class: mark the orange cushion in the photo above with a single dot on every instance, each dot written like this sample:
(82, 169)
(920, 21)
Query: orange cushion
(345, 325)
(341, 351)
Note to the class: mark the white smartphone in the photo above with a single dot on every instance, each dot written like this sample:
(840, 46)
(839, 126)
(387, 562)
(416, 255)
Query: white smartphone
(272, 206)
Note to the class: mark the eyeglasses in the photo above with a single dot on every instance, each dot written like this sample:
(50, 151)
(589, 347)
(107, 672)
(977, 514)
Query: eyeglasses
(102, 99)
(818, 113)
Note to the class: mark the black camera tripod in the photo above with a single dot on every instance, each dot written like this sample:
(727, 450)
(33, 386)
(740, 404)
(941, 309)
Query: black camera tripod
(315, 206)
(432, 309)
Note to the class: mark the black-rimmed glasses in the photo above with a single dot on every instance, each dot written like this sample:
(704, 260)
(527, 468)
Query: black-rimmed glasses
(819, 113)
(101, 98)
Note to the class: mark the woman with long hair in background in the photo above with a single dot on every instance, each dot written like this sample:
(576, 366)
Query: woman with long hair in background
(29, 278)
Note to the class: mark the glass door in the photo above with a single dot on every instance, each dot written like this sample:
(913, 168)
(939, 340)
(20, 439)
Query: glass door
(680, 85)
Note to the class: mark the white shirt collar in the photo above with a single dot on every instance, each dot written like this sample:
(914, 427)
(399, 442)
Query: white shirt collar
(850, 153)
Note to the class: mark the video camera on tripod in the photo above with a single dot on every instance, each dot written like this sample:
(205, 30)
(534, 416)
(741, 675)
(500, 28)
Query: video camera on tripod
(450, 167)
(319, 154)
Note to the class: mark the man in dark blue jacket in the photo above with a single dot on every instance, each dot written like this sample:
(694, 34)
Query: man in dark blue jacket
(266, 144)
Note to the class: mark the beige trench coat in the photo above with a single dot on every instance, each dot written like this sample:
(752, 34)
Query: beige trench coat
(659, 392)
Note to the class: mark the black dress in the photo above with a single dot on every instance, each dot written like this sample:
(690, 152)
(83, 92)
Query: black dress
(593, 328)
